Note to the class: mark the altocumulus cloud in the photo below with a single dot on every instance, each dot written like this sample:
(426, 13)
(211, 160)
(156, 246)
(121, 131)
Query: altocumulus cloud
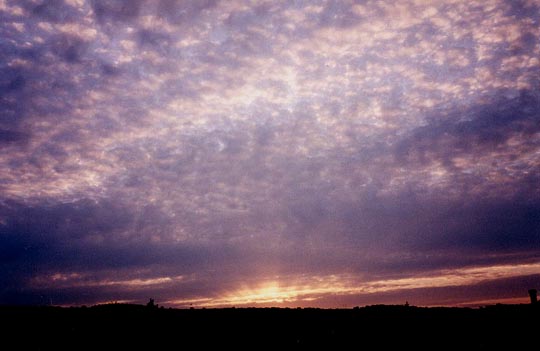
(326, 153)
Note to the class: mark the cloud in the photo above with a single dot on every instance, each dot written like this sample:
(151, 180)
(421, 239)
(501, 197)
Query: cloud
(56, 11)
(231, 143)
(9, 136)
(181, 12)
(116, 10)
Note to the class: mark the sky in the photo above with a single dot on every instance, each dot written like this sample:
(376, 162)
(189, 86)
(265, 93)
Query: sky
(269, 153)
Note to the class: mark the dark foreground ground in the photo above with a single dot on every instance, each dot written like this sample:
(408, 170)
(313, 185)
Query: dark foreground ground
(120, 327)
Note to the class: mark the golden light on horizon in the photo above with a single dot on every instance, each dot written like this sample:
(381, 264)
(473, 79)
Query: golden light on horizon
(290, 290)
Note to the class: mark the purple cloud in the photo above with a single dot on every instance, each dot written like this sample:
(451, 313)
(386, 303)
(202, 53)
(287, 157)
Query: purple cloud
(210, 151)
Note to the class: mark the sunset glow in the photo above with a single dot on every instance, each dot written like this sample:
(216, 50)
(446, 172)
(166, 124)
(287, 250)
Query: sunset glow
(276, 293)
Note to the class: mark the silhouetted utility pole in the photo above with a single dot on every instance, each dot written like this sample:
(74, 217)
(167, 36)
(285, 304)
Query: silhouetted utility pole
(532, 294)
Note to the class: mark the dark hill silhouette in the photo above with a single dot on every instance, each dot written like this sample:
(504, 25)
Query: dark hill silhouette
(123, 326)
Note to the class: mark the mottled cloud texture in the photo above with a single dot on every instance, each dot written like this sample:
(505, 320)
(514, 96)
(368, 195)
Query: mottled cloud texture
(295, 153)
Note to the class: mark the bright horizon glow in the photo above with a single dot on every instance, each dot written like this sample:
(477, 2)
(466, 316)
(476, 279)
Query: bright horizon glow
(276, 293)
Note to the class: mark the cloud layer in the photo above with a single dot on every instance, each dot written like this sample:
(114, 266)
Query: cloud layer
(230, 152)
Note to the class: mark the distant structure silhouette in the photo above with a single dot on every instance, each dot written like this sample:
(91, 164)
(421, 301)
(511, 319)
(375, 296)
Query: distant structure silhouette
(532, 294)
(151, 304)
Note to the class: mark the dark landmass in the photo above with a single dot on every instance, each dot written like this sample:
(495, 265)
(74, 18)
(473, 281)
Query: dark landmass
(123, 326)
